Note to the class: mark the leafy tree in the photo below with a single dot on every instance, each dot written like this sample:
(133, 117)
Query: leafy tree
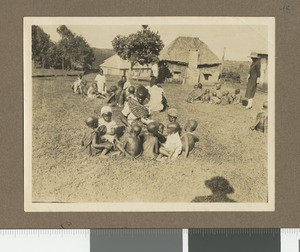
(75, 51)
(40, 45)
(142, 47)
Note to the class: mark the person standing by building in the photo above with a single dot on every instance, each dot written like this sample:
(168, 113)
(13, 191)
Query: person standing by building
(253, 79)
(101, 82)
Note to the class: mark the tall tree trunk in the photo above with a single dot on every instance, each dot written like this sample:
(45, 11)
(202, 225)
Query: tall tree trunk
(62, 63)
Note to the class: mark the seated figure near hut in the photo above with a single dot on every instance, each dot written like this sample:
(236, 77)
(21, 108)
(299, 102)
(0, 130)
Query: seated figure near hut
(188, 139)
(196, 94)
(261, 123)
(218, 90)
(225, 98)
(237, 98)
(76, 84)
(93, 91)
(156, 95)
(206, 96)
(82, 89)
(214, 99)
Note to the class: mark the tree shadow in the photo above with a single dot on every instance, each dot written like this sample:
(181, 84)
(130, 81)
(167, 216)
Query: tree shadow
(219, 187)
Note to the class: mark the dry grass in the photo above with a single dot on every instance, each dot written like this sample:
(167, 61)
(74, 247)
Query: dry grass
(63, 173)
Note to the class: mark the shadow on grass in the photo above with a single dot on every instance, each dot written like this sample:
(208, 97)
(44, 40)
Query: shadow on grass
(219, 187)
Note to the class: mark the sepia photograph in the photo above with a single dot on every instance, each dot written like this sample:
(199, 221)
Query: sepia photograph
(155, 114)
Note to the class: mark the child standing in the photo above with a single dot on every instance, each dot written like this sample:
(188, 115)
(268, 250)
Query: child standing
(173, 146)
(218, 91)
(92, 142)
(261, 123)
(106, 120)
(150, 143)
(188, 138)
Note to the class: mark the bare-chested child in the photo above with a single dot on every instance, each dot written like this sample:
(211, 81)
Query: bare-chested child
(196, 94)
(188, 139)
(214, 99)
(132, 145)
(150, 141)
(237, 98)
(173, 146)
(261, 123)
(92, 140)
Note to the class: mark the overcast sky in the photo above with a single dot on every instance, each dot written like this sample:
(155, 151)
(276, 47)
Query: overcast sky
(238, 39)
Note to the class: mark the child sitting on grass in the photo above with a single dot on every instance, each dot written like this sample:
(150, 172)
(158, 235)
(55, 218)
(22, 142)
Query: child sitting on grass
(92, 142)
(261, 123)
(206, 96)
(196, 94)
(218, 91)
(150, 141)
(224, 98)
(188, 139)
(237, 98)
(173, 146)
(106, 120)
(214, 99)
(132, 145)
(93, 91)
(82, 89)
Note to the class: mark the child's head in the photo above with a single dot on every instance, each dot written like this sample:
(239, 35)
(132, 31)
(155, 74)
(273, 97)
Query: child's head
(214, 94)
(102, 130)
(136, 129)
(124, 78)
(84, 82)
(207, 91)
(199, 85)
(152, 127)
(224, 93)
(92, 122)
(173, 127)
(106, 113)
(172, 114)
(80, 76)
(101, 71)
(141, 94)
(237, 91)
(191, 125)
(131, 90)
(218, 86)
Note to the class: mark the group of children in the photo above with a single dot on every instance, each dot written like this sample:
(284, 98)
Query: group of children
(215, 96)
(152, 141)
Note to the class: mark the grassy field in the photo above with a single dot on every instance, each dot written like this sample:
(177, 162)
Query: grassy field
(63, 173)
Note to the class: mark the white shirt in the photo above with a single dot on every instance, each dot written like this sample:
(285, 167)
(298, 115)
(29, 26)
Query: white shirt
(156, 95)
(174, 144)
(101, 80)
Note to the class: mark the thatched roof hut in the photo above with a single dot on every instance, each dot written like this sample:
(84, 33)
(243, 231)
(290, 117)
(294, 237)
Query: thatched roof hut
(178, 52)
(190, 61)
